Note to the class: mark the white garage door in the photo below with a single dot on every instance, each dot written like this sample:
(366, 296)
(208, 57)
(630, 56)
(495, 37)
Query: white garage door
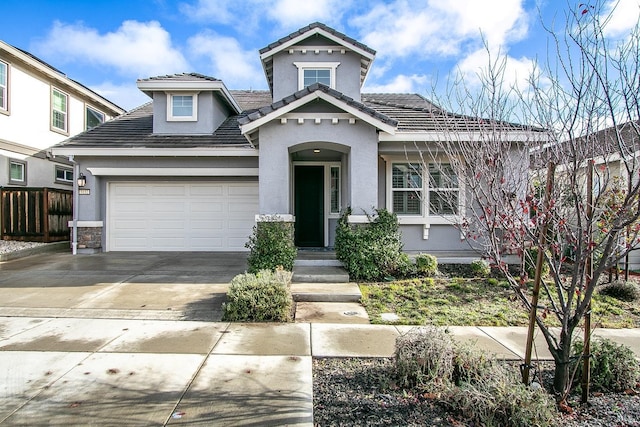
(194, 216)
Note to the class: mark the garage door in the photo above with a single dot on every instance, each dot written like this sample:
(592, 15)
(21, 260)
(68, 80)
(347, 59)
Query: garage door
(194, 216)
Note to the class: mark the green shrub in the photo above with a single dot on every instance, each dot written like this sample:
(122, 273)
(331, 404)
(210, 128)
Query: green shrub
(471, 365)
(613, 366)
(261, 297)
(370, 251)
(621, 290)
(480, 268)
(427, 264)
(424, 358)
(271, 245)
(499, 398)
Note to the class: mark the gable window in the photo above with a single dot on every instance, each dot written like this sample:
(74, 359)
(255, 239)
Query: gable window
(64, 175)
(418, 194)
(182, 107)
(17, 172)
(4, 87)
(316, 72)
(93, 118)
(59, 110)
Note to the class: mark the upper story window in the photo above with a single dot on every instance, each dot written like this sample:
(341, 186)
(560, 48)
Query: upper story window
(93, 118)
(17, 172)
(182, 107)
(4, 87)
(59, 110)
(316, 72)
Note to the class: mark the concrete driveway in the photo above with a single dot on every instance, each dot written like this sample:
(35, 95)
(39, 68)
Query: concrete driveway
(149, 285)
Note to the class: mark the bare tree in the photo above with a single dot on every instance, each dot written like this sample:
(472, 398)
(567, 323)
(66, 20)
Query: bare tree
(581, 109)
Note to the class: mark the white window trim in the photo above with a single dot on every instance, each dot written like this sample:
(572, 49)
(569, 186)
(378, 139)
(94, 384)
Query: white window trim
(89, 107)
(5, 108)
(63, 181)
(426, 219)
(171, 117)
(23, 181)
(331, 66)
(66, 113)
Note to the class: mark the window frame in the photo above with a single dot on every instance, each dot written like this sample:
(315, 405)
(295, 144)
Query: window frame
(65, 113)
(23, 165)
(4, 88)
(303, 66)
(194, 107)
(65, 171)
(97, 112)
(408, 178)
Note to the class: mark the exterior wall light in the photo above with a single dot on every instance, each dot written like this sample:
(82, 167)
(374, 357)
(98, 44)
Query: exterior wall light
(82, 180)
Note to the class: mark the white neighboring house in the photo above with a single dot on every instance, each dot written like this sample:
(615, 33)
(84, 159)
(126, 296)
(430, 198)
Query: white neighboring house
(40, 107)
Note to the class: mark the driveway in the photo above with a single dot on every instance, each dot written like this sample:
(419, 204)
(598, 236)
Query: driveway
(147, 285)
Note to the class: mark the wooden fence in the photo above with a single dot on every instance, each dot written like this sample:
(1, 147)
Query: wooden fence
(36, 214)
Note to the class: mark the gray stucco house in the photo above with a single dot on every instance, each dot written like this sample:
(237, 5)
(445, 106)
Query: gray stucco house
(196, 167)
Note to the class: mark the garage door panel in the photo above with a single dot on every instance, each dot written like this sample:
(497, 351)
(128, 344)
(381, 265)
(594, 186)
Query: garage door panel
(188, 216)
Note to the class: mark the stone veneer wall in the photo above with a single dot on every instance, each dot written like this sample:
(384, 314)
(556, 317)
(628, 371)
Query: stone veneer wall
(89, 237)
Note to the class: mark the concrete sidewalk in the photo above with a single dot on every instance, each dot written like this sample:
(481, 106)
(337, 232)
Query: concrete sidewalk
(69, 371)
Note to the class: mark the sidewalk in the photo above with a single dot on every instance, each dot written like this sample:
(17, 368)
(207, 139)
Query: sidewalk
(70, 371)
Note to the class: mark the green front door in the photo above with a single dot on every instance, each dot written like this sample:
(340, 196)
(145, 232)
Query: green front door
(309, 206)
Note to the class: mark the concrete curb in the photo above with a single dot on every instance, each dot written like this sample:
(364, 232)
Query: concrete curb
(50, 247)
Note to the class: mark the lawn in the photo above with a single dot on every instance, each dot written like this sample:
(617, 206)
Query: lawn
(478, 302)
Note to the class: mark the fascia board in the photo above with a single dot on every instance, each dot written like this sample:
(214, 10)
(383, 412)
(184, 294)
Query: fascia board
(119, 171)
(454, 136)
(154, 152)
(312, 32)
(245, 129)
(149, 86)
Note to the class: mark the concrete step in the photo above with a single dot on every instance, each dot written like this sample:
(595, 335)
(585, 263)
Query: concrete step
(319, 274)
(326, 292)
(316, 259)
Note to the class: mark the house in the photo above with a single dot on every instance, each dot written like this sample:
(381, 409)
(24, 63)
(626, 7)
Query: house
(40, 107)
(196, 167)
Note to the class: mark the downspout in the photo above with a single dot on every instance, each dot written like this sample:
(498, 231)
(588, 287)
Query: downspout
(74, 229)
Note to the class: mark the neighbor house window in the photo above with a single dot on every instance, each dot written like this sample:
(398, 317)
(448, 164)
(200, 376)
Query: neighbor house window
(182, 107)
(59, 110)
(4, 86)
(93, 118)
(335, 189)
(64, 175)
(406, 184)
(316, 72)
(17, 172)
(412, 189)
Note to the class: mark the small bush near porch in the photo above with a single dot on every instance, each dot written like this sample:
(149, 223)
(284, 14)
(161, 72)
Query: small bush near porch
(271, 246)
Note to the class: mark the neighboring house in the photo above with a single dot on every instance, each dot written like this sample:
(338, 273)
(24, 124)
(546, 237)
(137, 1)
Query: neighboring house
(195, 168)
(40, 107)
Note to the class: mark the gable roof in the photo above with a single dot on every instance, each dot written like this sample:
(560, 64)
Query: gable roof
(266, 54)
(255, 119)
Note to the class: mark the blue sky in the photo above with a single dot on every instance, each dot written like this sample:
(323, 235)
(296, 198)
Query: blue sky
(107, 45)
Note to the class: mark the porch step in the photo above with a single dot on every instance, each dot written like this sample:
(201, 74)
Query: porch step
(326, 292)
(319, 274)
(308, 258)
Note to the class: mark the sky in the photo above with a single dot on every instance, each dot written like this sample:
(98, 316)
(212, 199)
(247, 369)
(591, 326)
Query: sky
(108, 44)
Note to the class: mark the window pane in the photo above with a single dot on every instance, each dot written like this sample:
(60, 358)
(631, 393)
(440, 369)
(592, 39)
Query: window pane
(94, 118)
(317, 76)
(443, 203)
(64, 175)
(59, 114)
(442, 176)
(335, 190)
(182, 105)
(407, 202)
(3, 85)
(16, 172)
(406, 175)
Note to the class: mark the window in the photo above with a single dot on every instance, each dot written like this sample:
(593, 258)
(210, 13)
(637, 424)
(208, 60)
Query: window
(183, 107)
(93, 118)
(17, 171)
(316, 72)
(4, 86)
(406, 183)
(335, 189)
(409, 187)
(64, 175)
(59, 110)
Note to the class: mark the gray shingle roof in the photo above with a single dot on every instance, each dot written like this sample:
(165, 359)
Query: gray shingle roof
(181, 77)
(268, 109)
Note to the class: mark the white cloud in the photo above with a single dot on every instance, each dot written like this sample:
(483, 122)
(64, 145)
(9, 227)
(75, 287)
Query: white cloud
(400, 84)
(127, 95)
(220, 11)
(624, 16)
(237, 68)
(141, 49)
(298, 13)
(403, 28)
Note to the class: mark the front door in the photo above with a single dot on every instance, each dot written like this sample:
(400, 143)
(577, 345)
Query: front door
(309, 206)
